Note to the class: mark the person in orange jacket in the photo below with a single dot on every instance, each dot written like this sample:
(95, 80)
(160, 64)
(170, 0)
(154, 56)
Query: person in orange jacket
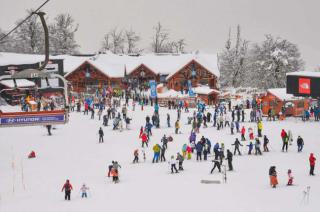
(67, 187)
(115, 175)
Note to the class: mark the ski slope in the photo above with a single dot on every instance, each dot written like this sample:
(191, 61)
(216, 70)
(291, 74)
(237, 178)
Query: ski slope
(73, 152)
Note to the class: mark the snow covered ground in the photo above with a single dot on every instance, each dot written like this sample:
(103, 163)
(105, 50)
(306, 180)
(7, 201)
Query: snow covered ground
(73, 152)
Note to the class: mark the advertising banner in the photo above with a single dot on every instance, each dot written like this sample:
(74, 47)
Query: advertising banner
(153, 88)
(32, 118)
(304, 86)
(190, 91)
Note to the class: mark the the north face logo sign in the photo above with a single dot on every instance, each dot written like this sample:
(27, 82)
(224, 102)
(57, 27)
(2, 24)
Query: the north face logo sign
(304, 86)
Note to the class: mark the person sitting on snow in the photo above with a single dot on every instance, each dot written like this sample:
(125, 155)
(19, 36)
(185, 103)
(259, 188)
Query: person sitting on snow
(32, 154)
(290, 180)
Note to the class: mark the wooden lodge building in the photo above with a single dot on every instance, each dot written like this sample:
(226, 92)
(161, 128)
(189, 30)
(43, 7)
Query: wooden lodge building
(87, 73)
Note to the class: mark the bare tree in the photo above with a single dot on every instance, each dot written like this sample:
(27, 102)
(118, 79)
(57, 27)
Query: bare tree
(7, 44)
(160, 38)
(117, 40)
(131, 39)
(29, 36)
(106, 43)
(62, 35)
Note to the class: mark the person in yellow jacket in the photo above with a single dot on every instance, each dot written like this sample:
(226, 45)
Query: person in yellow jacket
(259, 128)
(177, 126)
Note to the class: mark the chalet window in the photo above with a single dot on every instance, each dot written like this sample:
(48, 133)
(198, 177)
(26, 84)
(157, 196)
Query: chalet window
(300, 104)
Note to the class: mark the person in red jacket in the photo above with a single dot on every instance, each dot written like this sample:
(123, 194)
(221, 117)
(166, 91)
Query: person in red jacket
(32, 154)
(312, 161)
(144, 138)
(284, 137)
(67, 187)
(243, 131)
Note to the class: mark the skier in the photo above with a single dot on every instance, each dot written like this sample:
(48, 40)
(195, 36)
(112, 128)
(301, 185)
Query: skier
(236, 145)
(290, 178)
(101, 134)
(67, 187)
(257, 147)
(177, 126)
(284, 137)
(199, 148)
(92, 113)
(250, 148)
(300, 143)
(229, 158)
(49, 129)
(168, 120)
(216, 164)
(232, 127)
(265, 144)
(312, 161)
(164, 141)
(172, 163)
(144, 139)
(156, 153)
(105, 120)
(273, 176)
(259, 128)
(115, 175)
(243, 131)
(180, 160)
(162, 154)
(84, 190)
(136, 156)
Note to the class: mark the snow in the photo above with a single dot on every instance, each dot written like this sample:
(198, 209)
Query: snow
(19, 59)
(305, 73)
(20, 83)
(73, 153)
(281, 93)
(205, 90)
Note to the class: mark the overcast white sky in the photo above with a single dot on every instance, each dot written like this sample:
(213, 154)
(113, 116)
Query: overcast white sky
(203, 23)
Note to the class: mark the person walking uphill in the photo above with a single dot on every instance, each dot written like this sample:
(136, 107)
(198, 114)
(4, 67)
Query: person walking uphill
(67, 187)
(312, 161)
(101, 134)
(300, 143)
(156, 150)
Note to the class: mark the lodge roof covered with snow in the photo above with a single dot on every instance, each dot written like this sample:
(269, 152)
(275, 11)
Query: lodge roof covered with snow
(114, 65)
(281, 93)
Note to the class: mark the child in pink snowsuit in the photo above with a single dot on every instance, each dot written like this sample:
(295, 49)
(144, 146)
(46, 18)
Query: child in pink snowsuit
(290, 180)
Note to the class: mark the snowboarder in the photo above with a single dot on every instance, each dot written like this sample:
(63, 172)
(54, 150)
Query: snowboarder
(67, 187)
(229, 158)
(84, 190)
(236, 145)
(300, 143)
(101, 134)
(312, 161)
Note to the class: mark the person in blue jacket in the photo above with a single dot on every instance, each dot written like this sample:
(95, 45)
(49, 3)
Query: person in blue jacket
(250, 148)
(148, 128)
(216, 151)
(199, 148)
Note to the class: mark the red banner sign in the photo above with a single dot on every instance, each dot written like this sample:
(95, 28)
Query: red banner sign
(304, 86)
